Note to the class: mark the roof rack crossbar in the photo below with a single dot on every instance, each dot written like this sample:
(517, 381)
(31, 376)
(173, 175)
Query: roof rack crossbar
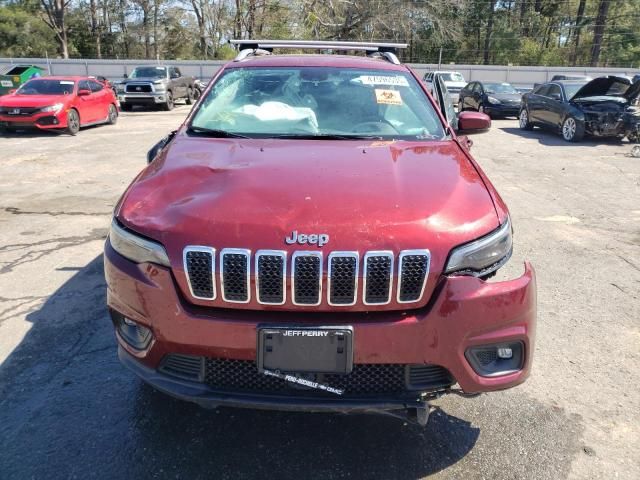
(263, 47)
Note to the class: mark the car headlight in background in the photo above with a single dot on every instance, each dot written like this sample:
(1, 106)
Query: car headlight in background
(484, 255)
(136, 248)
(53, 108)
(120, 88)
(493, 100)
(159, 85)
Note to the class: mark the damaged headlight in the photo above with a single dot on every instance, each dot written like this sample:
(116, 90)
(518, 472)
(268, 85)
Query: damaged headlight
(136, 248)
(484, 255)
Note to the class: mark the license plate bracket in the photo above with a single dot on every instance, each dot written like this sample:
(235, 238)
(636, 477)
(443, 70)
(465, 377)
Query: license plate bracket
(305, 349)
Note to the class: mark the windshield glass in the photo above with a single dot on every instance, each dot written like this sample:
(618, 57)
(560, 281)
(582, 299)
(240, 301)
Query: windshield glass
(149, 72)
(47, 87)
(318, 101)
(452, 77)
(570, 89)
(499, 88)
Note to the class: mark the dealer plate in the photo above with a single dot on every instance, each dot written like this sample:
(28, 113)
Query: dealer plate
(305, 349)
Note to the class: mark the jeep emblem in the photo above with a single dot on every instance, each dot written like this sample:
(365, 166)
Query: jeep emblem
(319, 239)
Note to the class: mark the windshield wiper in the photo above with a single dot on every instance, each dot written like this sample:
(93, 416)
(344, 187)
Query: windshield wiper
(212, 132)
(326, 136)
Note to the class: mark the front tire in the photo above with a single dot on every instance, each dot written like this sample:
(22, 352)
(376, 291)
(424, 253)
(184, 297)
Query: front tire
(126, 107)
(168, 105)
(73, 122)
(112, 117)
(525, 122)
(572, 130)
(190, 96)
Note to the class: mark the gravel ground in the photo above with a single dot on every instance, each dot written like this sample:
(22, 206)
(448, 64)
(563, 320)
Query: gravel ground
(69, 410)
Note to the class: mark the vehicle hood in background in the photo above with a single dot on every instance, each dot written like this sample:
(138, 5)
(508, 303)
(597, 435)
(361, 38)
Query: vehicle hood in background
(33, 100)
(599, 87)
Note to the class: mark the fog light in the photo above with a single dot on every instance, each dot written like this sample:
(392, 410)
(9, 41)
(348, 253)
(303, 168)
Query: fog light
(134, 333)
(505, 353)
(497, 359)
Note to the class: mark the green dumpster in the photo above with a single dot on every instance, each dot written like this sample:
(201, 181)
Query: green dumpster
(16, 75)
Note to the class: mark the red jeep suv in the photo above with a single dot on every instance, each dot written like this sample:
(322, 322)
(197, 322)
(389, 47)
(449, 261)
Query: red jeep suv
(316, 237)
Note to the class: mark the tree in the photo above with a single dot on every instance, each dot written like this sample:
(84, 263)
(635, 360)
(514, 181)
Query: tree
(55, 18)
(598, 31)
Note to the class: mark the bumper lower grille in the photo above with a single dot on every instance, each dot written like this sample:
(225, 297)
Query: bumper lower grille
(365, 380)
(188, 367)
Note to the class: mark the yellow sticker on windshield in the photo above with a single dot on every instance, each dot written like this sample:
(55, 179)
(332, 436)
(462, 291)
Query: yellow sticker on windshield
(389, 97)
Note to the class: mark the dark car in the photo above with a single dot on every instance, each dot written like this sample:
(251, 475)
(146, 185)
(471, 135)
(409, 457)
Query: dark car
(602, 107)
(496, 99)
(317, 237)
(555, 78)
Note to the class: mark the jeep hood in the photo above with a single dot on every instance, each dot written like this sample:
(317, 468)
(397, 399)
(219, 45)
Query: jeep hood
(600, 87)
(239, 193)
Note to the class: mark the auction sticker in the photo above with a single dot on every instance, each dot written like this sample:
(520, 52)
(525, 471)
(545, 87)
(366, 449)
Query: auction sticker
(383, 80)
(6, 83)
(388, 97)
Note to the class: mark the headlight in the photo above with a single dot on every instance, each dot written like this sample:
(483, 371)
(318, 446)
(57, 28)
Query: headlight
(53, 108)
(120, 88)
(136, 248)
(484, 255)
(493, 100)
(159, 85)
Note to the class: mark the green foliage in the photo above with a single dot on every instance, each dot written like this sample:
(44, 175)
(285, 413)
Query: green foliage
(22, 34)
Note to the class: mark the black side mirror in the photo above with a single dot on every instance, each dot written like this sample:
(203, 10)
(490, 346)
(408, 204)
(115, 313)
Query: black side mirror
(155, 150)
(125, 76)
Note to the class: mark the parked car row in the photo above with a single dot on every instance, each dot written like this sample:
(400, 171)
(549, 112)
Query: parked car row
(573, 105)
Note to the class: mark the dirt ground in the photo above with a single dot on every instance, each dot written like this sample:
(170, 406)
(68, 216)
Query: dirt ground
(69, 410)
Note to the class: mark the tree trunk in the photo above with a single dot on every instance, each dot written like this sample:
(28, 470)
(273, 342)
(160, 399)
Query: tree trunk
(55, 12)
(578, 30)
(237, 21)
(487, 38)
(95, 27)
(598, 31)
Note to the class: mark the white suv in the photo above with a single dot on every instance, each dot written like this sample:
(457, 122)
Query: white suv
(454, 81)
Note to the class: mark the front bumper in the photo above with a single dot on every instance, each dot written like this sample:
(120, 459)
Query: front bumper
(41, 120)
(502, 110)
(142, 98)
(464, 312)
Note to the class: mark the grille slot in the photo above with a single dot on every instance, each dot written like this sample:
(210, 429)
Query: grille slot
(234, 275)
(428, 377)
(306, 281)
(342, 278)
(199, 265)
(271, 275)
(378, 268)
(413, 272)
(364, 380)
(184, 366)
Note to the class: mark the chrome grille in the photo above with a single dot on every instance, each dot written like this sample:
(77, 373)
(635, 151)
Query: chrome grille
(270, 270)
(272, 278)
(199, 265)
(378, 268)
(414, 267)
(138, 88)
(306, 282)
(342, 278)
(234, 275)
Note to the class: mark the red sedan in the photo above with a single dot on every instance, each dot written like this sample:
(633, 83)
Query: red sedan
(58, 103)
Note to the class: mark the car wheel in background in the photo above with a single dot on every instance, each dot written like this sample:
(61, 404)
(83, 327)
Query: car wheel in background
(113, 115)
(633, 137)
(73, 122)
(169, 103)
(189, 96)
(572, 130)
(125, 107)
(525, 123)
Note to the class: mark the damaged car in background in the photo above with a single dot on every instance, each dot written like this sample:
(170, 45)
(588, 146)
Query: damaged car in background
(603, 107)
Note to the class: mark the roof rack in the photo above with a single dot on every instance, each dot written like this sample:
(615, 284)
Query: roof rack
(265, 47)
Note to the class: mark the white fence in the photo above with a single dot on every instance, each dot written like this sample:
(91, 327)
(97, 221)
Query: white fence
(115, 69)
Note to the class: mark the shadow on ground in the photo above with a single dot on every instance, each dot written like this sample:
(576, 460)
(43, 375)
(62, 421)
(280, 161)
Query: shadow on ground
(69, 409)
(550, 138)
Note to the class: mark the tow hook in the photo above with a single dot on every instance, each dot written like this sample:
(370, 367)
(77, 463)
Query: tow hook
(420, 415)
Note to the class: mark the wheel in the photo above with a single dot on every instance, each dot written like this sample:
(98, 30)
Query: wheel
(190, 97)
(113, 115)
(126, 107)
(633, 137)
(73, 122)
(482, 110)
(168, 105)
(572, 131)
(525, 124)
